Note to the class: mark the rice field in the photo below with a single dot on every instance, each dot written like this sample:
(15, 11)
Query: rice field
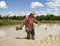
(46, 34)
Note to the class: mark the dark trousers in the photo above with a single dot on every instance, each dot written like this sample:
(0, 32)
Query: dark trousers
(30, 34)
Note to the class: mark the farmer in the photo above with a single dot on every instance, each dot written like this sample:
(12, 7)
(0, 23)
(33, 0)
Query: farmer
(29, 25)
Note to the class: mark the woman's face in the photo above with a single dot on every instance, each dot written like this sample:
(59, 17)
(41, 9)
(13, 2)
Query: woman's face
(32, 15)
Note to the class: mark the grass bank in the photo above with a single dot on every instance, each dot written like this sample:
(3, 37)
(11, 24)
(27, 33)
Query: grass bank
(14, 22)
(9, 22)
(50, 21)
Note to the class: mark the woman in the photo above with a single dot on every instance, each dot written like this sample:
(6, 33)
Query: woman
(29, 25)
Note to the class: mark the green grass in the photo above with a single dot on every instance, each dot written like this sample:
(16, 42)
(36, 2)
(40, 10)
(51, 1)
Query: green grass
(14, 22)
(50, 21)
(9, 22)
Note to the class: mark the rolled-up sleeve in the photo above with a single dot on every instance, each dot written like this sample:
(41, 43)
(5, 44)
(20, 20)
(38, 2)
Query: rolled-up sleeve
(23, 22)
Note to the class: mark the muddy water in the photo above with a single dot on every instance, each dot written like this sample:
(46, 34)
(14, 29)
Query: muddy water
(47, 34)
(42, 30)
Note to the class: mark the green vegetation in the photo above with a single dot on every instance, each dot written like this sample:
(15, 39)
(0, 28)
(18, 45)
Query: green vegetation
(12, 20)
(9, 22)
(49, 17)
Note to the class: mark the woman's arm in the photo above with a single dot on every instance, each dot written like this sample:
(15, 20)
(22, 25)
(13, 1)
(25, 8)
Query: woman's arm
(35, 21)
(23, 23)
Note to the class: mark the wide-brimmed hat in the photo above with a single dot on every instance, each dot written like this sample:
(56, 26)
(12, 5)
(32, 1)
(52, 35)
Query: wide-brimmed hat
(32, 13)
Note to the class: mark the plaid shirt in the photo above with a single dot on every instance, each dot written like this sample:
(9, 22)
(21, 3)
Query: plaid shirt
(29, 23)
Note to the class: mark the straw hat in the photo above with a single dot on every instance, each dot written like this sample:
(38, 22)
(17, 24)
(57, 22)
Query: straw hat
(32, 13)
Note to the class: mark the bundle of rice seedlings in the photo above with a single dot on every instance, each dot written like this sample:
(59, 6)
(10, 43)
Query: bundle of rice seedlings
(17, 28)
